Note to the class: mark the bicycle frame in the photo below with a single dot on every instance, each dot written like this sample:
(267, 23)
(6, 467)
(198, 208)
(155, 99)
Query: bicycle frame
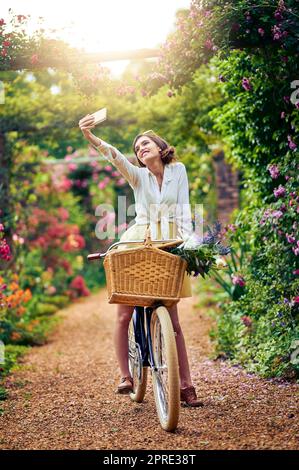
(141, 317)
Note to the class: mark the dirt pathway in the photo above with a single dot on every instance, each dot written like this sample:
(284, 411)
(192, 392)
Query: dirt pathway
(63, 397)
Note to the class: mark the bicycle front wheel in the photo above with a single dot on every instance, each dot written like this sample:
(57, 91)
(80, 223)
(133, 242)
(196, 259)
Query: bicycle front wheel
(166, 380)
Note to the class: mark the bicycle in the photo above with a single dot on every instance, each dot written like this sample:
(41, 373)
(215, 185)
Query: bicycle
(152, 344)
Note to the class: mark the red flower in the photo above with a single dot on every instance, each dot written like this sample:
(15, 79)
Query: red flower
(238, 281)
(73, 242)
(67, 266)
(208, 44)
(247, 321)
(78, 285)
(21, 18)
(34, 59)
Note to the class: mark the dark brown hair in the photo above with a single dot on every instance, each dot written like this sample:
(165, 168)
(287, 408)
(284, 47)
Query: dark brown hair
(167, 151)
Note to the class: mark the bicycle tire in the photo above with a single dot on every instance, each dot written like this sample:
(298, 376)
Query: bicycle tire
(167, 397)
(138, 372)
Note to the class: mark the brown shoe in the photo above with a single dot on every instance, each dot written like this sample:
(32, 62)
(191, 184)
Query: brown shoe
(125, 386)
(188, 395)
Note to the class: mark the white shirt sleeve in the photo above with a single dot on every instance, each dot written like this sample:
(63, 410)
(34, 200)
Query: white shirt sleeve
(183, 211)
(129, 171)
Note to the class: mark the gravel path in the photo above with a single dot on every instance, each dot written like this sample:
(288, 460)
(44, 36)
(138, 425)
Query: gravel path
(63, 396)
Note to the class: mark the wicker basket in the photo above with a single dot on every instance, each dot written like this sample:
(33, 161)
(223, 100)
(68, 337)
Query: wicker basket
(144, 276)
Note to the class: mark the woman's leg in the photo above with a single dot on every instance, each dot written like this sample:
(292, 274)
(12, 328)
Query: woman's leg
(181, 347)
(123, 317)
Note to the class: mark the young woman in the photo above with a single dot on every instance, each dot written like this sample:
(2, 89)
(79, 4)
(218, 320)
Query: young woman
(159, 182)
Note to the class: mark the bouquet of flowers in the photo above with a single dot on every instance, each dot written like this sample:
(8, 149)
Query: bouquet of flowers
(203, 254)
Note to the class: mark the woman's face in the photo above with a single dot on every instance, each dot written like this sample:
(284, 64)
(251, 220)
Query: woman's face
(146, 149)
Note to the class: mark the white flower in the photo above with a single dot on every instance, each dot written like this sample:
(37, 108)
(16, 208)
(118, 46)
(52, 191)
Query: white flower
(221, 263)
(192, 242)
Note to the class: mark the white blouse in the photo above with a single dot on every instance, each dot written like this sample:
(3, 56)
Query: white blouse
(171, 204)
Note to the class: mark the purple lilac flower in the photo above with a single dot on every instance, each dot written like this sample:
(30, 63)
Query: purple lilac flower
(290, 238)
(267, 213)
(279, 192)
(274, 171)
(277, 214)
(246, 84)
(261, 31)
(277, 34)
(282, 115)
(1, 228)
(283, 207)
(235, 27)
(295, 251)
(278, 15)
(292, 144)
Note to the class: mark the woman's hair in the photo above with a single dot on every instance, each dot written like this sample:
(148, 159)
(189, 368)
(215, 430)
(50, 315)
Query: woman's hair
(167, 151)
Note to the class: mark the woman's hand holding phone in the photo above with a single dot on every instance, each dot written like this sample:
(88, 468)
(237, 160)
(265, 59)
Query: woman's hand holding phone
(87, 123)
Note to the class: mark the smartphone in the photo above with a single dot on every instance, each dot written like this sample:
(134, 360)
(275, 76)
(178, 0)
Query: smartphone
(100, 116)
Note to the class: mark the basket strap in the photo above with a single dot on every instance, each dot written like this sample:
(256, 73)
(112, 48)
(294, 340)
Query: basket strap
(148, 240)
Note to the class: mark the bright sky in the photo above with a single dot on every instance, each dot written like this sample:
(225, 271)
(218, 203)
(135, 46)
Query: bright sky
(103, 25)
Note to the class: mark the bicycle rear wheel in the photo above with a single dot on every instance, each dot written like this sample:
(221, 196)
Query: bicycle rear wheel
(166, 380)
(138, 372)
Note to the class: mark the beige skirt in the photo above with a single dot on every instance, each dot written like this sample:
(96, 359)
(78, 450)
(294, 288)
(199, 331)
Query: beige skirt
(137, 232)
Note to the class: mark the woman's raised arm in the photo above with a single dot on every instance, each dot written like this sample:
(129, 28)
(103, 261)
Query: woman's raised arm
(129, 171)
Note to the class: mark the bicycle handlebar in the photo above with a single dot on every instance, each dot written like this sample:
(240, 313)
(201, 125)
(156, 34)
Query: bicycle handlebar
(93, 256)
